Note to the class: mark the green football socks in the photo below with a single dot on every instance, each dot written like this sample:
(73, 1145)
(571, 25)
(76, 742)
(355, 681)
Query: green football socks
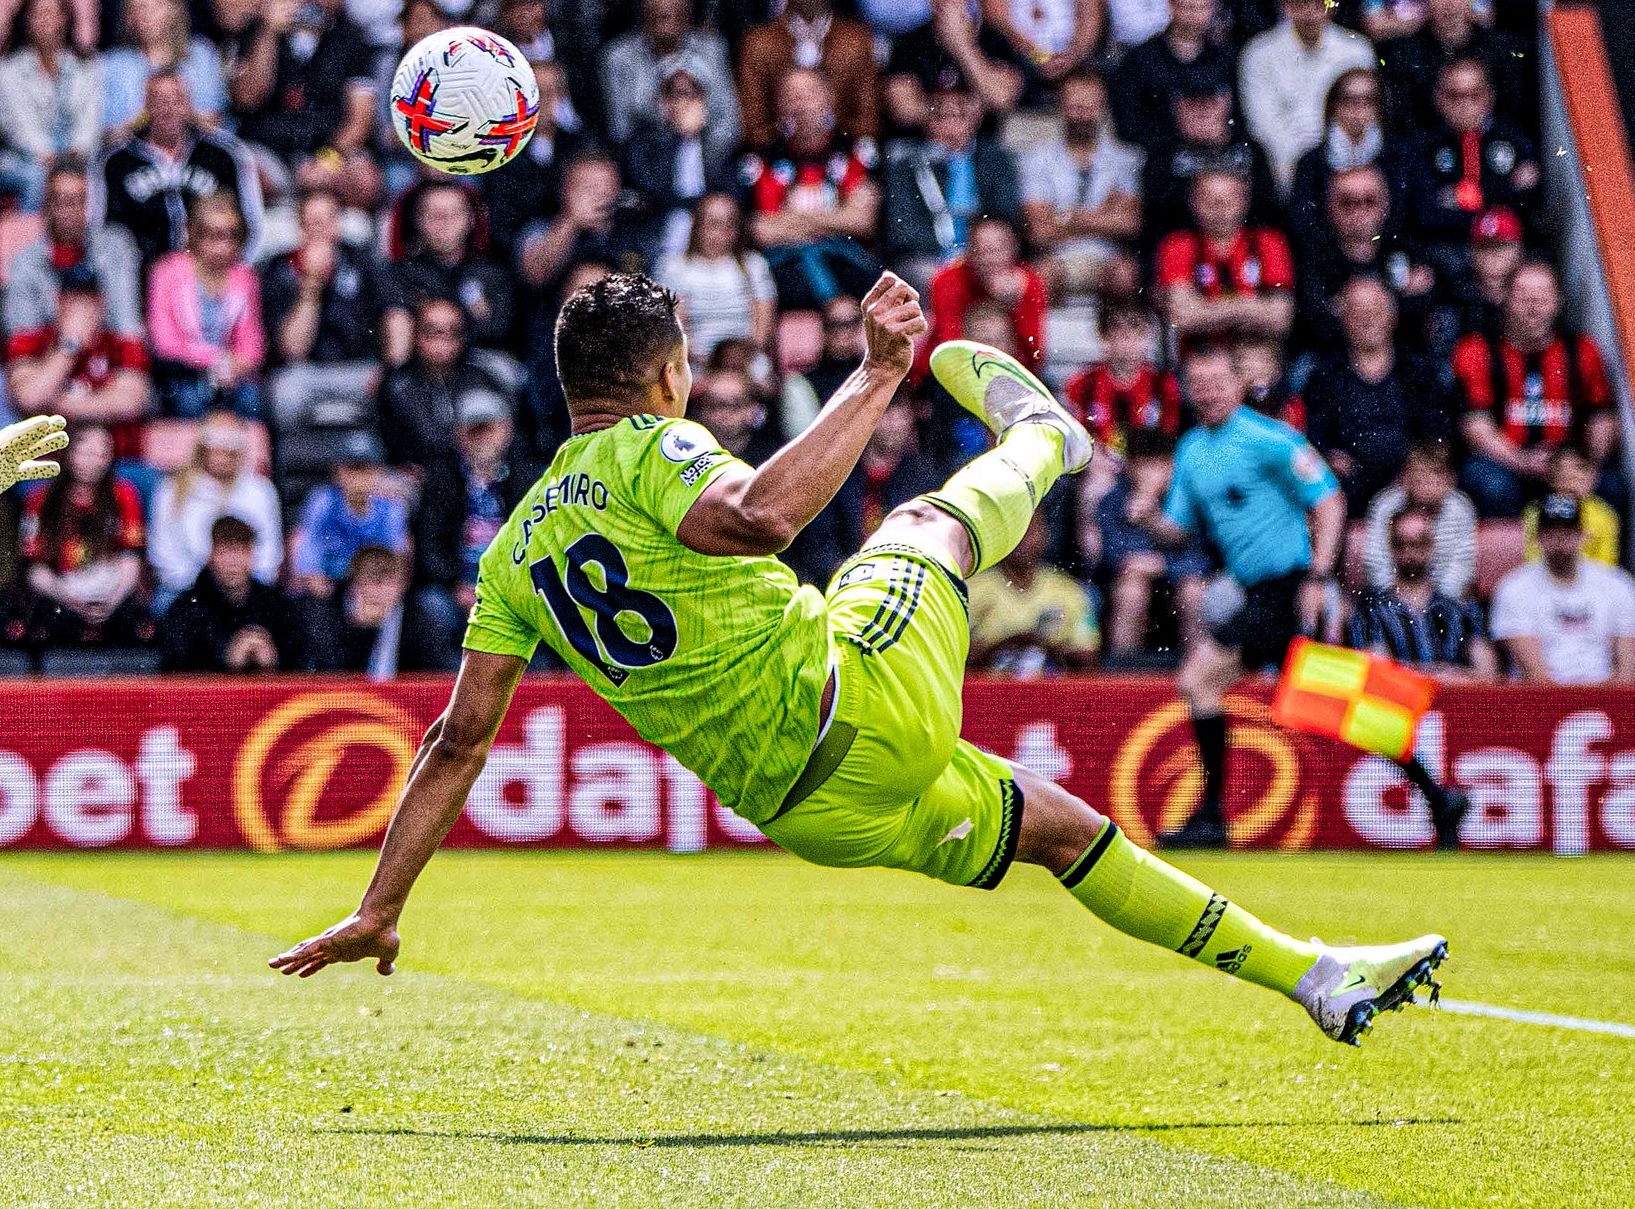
(1144, 897)
(994, 495)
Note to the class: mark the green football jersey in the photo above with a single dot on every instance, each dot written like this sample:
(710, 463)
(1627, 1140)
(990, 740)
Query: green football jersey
(720, 661)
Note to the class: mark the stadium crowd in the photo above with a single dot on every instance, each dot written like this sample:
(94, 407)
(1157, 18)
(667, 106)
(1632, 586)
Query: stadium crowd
(308, 379)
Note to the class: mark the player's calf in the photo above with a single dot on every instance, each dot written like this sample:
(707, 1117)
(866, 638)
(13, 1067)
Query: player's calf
(1143, 896)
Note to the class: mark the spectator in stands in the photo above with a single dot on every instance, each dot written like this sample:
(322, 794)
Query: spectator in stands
(1527, 391)
(1413, 621)
(1366, 405)
(1383, 20)
(301, 81)
(1134, 563)
(1353, 137)
(50, 102)
(593, 224)
(75, 365)
(343, 516)
(891, 472)
(1028, 618)
(1496, 252)
(1224, 277)
(725, 288)
(1081, 196)
(1053, 36)
(159, 39)
(805, 393)
(327, 302)
(530, 186)
(635, 66)
(934, 187)
(1127, 390)
(672, 164)
(812, 199)
(1468, 161)
(463, 504)
(150, 179)
(724, 402)
(365, 625)
(445, 260)
(217, 482)
(68, 241)
(1572, 476)
(82, 551)
(953, 44)
(419, 401)
(1566, 619)
(1426, 485)
(228, 620)
(1181, 60)
(1412, 65)
(1284, 77)
(1356, 240)
(809, 37)
(1206, 142)
(204, 317)
(990, 271)
(1267, 388)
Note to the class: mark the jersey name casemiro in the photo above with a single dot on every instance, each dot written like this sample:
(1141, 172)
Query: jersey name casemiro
(721, 661)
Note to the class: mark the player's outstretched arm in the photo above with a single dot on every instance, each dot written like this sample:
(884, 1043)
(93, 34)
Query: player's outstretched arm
(450, 757)
(24, 443)
(761, 511)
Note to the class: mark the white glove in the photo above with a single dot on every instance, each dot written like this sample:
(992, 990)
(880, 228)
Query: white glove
(23, 443)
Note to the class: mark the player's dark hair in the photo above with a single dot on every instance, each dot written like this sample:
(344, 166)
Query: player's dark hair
(613, 338)
(231, 531)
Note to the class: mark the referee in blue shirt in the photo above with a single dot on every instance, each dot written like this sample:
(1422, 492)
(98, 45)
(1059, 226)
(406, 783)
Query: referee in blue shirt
(1274, 510)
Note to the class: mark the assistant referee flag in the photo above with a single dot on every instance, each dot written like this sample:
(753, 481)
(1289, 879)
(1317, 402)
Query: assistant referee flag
(1362, 699)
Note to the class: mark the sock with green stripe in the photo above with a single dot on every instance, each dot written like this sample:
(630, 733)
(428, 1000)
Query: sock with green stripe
(994, 495)
(1144, 897)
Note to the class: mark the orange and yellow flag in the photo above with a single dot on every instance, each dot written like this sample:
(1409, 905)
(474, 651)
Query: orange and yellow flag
(1362, 699)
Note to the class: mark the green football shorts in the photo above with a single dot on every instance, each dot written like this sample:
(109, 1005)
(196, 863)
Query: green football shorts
(892, 784)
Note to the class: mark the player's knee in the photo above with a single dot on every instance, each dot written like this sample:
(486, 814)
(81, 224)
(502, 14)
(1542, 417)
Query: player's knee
(1057, 826)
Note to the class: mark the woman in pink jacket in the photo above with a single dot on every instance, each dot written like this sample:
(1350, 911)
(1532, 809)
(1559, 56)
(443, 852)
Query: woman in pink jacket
(204, 317)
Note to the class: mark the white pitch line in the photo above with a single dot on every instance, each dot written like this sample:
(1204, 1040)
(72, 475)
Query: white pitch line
(1611, 1028)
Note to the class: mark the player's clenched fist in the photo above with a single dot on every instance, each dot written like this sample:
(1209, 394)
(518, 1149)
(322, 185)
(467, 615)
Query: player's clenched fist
(22, 445)
(892, 321)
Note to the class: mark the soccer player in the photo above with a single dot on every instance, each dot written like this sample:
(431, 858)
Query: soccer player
(643, 558)
(25, 443)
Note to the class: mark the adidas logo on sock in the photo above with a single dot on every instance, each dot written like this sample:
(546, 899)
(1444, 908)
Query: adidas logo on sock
(1227, 962)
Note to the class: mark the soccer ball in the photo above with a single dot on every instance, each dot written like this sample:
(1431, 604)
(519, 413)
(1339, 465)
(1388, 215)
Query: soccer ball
(464, 101)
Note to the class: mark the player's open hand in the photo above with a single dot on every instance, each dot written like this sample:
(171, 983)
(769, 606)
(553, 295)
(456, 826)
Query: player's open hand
(355, 938)
(892, 321)
(22, 445)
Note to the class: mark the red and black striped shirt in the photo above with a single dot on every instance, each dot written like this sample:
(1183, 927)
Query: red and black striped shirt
(1534, 398)
(1110, 408)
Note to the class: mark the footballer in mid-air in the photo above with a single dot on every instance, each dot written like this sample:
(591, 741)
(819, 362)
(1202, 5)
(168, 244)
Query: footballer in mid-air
(831, 720)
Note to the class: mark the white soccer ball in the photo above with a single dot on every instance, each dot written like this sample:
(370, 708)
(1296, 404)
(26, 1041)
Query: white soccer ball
(464, 101)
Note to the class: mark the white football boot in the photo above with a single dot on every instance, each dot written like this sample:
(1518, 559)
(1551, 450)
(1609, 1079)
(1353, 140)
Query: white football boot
(1348, 987)
(998, 389)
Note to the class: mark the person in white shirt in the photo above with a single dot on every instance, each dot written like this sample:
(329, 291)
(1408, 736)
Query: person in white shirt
(1284, 76)
(215, 484)
(1081, 197)
(1567, 620)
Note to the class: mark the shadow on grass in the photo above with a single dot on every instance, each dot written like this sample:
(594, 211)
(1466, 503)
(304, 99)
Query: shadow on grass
(846, 1137)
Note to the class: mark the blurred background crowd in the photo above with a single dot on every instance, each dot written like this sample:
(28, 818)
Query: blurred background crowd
(308, 379)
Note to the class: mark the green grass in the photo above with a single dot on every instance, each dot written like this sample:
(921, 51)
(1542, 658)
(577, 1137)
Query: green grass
(634, 1029)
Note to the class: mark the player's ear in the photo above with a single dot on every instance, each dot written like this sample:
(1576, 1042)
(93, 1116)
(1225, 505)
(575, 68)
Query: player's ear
(676, 382)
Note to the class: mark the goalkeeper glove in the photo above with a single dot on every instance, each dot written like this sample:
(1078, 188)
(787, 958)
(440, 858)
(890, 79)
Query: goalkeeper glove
(24, 443)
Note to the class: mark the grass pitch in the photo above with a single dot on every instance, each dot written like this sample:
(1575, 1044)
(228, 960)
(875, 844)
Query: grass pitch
(745, 1030)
